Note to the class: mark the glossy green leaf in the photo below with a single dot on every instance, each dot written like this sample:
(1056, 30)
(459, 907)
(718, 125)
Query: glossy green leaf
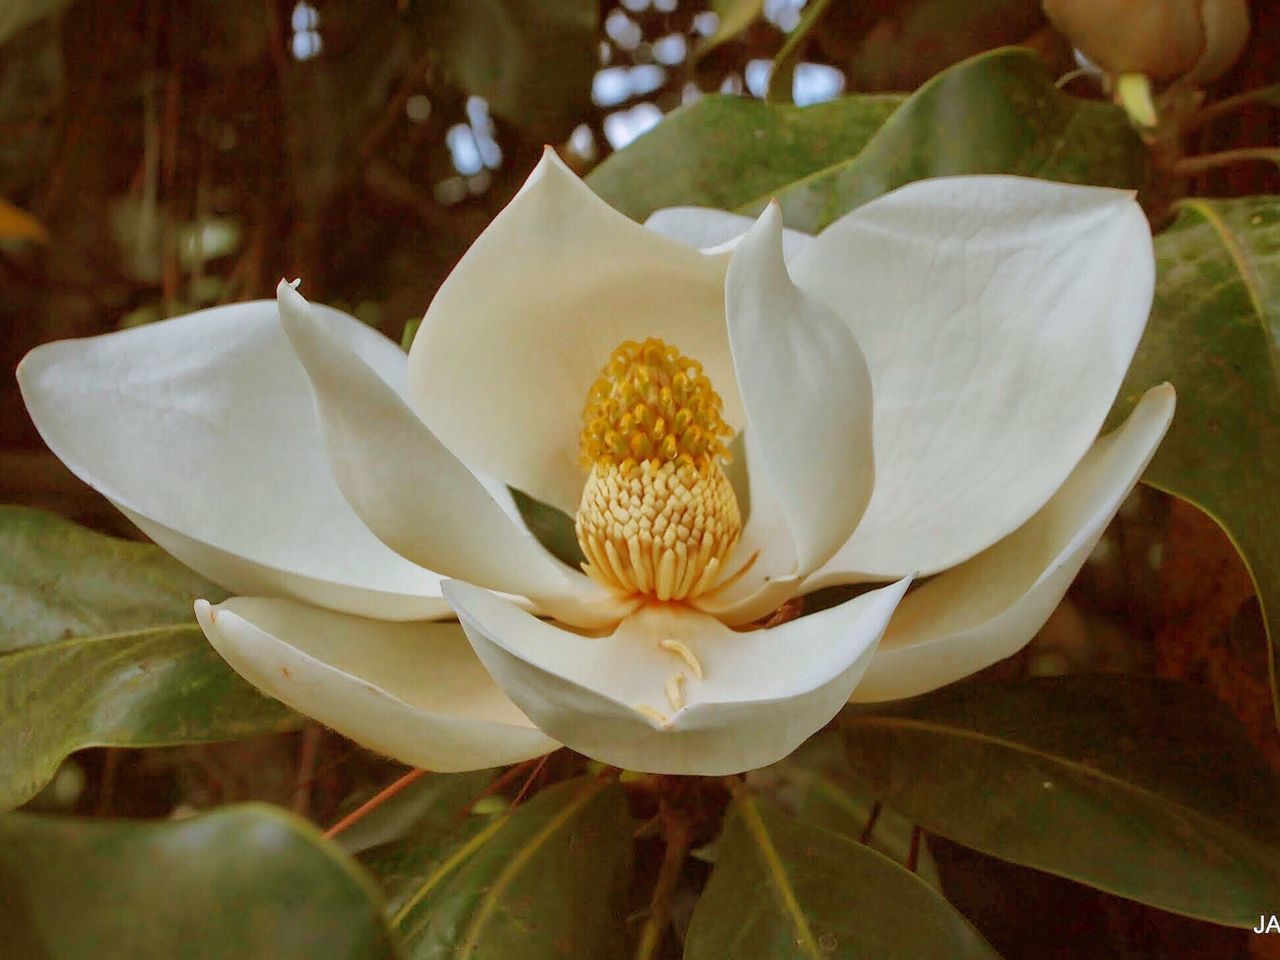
(785, 889)
(98, 647)
(995, 113)
(532, 60)
(434, 804)
(544, 881)
(735, 16)
(726, 151)
(783, 74)
(818, 786)
(1215, 334)
(247, 881)
(1141, 787)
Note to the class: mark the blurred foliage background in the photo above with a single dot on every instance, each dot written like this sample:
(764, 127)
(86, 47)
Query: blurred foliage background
(159, 156)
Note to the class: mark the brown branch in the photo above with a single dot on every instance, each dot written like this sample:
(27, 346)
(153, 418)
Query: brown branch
(1191, 166)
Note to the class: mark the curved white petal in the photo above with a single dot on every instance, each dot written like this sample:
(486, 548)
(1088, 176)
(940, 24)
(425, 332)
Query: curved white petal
(616, 699)
(414, 691)
(998, 316)
(518, 333)
(410, 490)
(202, 430)
(806, 391)
(990, 607)
(715, 231)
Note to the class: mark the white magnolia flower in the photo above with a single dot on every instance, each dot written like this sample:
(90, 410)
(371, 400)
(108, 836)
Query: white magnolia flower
(917, 391)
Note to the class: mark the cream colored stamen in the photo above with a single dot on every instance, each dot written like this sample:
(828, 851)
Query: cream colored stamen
(675, 691)
(684, 653)
(652, 714)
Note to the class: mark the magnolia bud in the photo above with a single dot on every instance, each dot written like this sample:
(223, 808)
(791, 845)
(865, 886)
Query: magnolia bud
(1194, 40)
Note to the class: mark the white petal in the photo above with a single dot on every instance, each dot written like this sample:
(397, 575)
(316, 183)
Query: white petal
(990, 607)
(715, 231)
(411, 491)
(807, 395)
(514, 339)
(998, 316)
(616, 699)
(202, 430)
(414, 691)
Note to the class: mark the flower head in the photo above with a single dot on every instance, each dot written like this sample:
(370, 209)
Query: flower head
(733, 414)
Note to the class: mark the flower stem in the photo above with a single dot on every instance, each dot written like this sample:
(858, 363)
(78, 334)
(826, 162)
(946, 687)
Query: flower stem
(678, 836)
(366, 808)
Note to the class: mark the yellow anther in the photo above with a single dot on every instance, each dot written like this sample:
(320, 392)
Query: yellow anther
(658, 515)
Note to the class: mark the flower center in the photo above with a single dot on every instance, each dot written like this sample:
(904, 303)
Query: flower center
(658, 515)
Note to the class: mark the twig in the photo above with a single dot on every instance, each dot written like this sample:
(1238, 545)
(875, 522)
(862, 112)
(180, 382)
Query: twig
(1220, 108)
(870, 828)
(307, 753)
(678, 836)
(507, 777)
(106, 791)
(1191, 166)
(366, 808)
(913, 851)
(542, 762)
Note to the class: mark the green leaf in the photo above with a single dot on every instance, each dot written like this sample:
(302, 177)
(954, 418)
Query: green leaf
(995, 113)
(735, 16)
(783, 74)
(726, 151)
(427, 806)
(1141, 787)
(817, 786)
(781, 889)
(531, 59)
(246, 881)
(544, 881)
(1214, 333)
(552, 527)
(98, 647)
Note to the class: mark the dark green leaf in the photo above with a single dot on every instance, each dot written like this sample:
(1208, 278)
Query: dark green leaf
(783, 889)
(249, 881)
(1141, 787)
(817, 786)
(1215, 334)
(531, 59)
(783, 74)
(544, 881)
(98, 646)
(735, 16)
(59, 581)
(552, 526)
(430, 805)
(996, 113)
(726, 151)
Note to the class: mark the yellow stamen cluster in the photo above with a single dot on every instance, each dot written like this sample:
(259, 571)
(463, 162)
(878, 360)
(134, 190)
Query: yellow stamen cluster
(651, 403)
(658, 515)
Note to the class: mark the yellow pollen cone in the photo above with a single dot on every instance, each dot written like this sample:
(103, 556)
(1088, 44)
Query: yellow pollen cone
(658, 515)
